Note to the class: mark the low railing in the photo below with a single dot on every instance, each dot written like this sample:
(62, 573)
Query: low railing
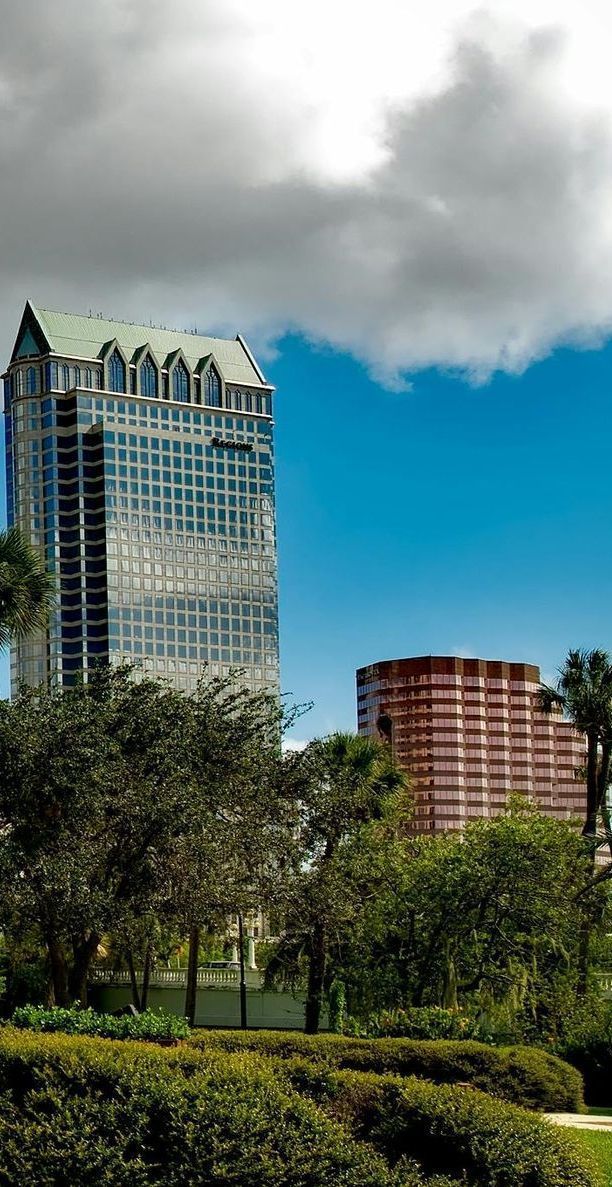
(177, 978)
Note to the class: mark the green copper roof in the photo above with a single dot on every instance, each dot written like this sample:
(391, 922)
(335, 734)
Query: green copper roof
(74, 336)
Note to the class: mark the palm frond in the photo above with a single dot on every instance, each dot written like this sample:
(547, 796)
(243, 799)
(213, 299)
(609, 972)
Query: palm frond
(27, 590)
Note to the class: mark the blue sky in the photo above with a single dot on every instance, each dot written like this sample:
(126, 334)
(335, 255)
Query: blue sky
(447, 519)
(427, 198)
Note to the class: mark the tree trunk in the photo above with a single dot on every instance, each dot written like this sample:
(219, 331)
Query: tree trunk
(146, 977)
(192, 975)
(592, 784)
(133, 980)
(589, 831)
(84, 952)
(316, 979)
(59, 969)
(603, 780)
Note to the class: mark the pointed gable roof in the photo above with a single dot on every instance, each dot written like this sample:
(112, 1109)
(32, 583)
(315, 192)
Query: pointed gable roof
(177, 356)
(108, 349)
(30, 340)
(141, 353)
(78, 337)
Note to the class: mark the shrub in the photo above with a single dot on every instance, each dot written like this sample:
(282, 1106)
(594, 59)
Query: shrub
(522, 1075)
(92, 1112)
(337, 1007)
(587, 1044)
(424, 1022)
(455, 1131)
(151, 1024)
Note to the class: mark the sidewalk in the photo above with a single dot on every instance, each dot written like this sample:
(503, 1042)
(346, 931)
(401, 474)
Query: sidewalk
(581, 1121)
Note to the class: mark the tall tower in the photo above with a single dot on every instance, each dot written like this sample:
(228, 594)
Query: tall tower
(140, 464)
(469, 732)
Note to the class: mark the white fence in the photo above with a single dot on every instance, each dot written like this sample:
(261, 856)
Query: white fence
(177, 978)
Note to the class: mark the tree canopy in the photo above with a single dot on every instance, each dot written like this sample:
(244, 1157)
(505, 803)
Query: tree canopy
(123, 798)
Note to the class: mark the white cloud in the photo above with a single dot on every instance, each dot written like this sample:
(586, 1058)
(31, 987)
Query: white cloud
(416, 192)
(293, 745)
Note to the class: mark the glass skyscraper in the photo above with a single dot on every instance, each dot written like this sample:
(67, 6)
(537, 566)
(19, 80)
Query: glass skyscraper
(140, 463)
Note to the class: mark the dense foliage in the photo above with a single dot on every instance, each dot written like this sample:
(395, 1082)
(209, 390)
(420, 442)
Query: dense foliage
(150, 1024)
(348, 783)
(125, 805)
(523, 1075)
(453, 1131)
(424, 1022)
(488, 921)
(586, 1042)
(90, 1111)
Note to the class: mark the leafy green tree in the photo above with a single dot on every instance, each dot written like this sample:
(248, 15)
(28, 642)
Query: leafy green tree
(27, 591)
(118, 807)
(236, 855)
(489, 918)
(348, 781)
(584, 693)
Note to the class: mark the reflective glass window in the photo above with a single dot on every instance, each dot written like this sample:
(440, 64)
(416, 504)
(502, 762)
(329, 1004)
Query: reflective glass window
(180, 382)
(148, 378)
(116, 373)
(213, 388)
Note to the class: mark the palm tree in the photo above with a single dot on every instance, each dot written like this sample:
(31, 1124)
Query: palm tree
(351, 781)
(584, 693)
(27, 590)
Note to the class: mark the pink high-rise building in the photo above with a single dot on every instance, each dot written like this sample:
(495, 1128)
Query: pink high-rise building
(469, 733)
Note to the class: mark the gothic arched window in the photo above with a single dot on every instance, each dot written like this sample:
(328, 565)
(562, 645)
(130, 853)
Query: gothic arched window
(116, 373)
(148, 377)
(213, 388)
(180, 382)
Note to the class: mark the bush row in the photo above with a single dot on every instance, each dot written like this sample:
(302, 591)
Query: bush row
(522, 1075)
(449, 1130)
(89, 1111)
(151, 1024)
(92, 1111)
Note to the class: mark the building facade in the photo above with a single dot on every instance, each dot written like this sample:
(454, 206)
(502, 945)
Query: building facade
(469, 732)
(140, 463)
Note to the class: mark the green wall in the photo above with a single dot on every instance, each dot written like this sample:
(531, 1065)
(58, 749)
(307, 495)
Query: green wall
(214, 1007)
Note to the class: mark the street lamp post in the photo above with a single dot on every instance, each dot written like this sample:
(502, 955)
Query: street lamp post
(243, 995)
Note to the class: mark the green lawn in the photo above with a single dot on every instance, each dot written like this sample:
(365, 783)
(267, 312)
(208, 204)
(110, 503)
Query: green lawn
(600, 1145)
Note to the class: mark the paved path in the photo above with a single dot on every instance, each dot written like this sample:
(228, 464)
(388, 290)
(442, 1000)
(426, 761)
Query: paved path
(581, 1121)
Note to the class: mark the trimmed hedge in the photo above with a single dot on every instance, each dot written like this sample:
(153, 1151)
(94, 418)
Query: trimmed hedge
(459, 1132)
(522, 1075)
(92, 1111)
(95, 1112)
(151, 1024)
